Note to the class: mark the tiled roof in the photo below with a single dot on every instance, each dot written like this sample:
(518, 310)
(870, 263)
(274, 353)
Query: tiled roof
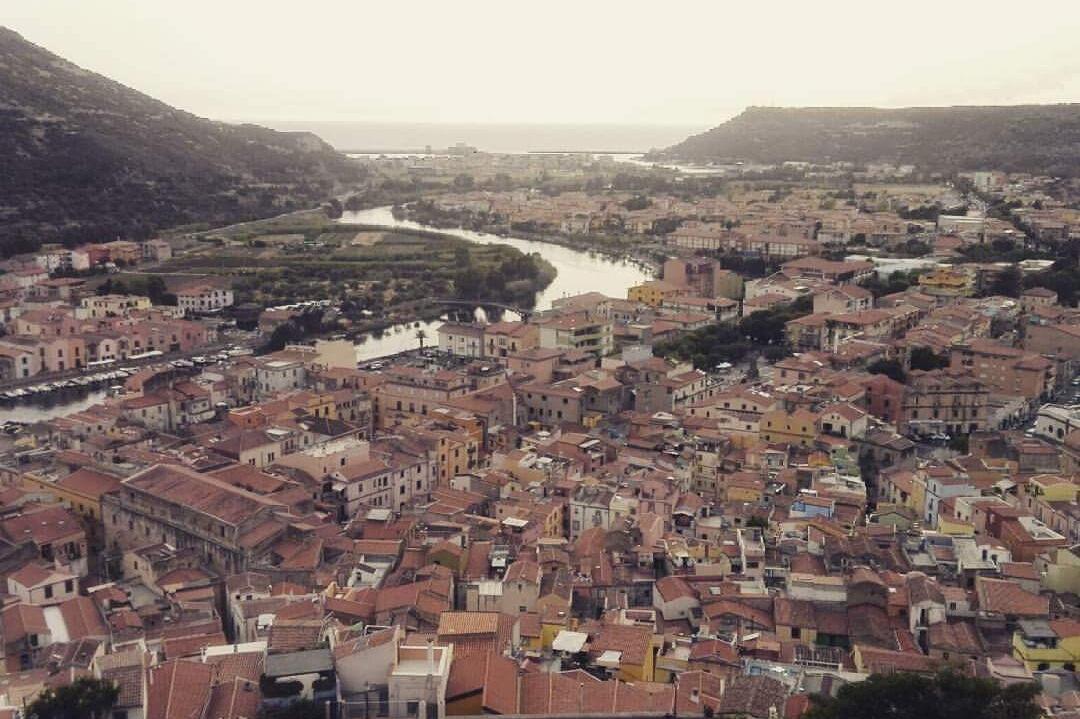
(755, 696)
(243, 665)
(130, 681)
(500, 685)
(1007, 597)
(235, 699)
(794, 612)
(632, 642)
(884, 661)
(956, 636)
(178, 690)
(672, 588)
(82, 619)
(288, 635)
(456, 623)
(523, 570)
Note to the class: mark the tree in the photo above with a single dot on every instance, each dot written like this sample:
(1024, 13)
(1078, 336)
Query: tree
(926, 359)
(84, 698)
(759, 522)
(890, 368)
(155, 289)
(1007, 283)
(946, 695)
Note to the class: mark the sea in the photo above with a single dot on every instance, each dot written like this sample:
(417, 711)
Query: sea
(491, 137)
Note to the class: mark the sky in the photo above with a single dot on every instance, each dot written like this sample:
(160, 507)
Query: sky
(583, 61)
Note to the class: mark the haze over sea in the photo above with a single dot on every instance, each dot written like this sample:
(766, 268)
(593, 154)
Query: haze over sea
(494, 137)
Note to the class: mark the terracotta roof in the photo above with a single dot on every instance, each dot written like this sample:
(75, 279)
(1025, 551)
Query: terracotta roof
(672, 588)
(794, 612)
(523, 570)
(500, 684)
(736, 608)
(89, 482)
(458, 623)
(243, 665)
(34, 574)
(293, 635)
(130, 681)
(82, 619)
(956, 636)
(884, 661)
(235, 699)
(191, 646)
(529, 624)
(1009, 598)
(633, 642)
(755, 696)
(178, 689)
(714, 650)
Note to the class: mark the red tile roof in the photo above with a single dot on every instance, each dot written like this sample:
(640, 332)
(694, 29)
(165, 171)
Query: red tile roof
(178, 690)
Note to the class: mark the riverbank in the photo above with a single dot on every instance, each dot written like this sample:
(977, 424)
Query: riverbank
(649, 255)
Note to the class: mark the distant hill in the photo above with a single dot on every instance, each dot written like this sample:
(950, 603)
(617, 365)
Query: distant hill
(1041, 139)
(85, 158)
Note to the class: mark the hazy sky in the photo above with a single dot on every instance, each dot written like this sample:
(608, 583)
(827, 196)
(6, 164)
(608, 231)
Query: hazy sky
(584, 61)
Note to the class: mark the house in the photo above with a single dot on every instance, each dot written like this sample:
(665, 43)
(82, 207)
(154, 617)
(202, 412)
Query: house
(202, 298)
(56, 534)
(1047, 645)
(42, 585)
(626, 651)
(521, 587)
(463, 340)
(675, 599)
(418, 680)
(365, 661)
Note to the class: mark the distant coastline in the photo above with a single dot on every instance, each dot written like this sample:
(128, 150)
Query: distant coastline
(408, 138)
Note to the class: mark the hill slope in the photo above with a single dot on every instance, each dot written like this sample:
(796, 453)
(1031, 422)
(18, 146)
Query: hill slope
(86, 158)
(1022, 138)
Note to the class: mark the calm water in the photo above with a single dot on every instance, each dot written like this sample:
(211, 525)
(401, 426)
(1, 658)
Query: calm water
(494, 137)
(50, 406)
(578, 272)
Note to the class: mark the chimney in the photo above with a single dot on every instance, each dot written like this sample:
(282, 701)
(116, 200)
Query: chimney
(431, 656)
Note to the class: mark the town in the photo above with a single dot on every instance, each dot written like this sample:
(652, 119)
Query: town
(837, 436)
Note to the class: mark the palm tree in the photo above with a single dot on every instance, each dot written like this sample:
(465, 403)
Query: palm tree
(420, 337)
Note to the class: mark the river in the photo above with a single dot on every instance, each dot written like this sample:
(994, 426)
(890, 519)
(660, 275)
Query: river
(577, 271)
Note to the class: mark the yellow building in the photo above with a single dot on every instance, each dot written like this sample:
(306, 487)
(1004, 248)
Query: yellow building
(954, 527)
(798, 427)
(948, 281)
(1043, 645)
(80, 491)
(652, 293)
(1052, 488)
(627, 649)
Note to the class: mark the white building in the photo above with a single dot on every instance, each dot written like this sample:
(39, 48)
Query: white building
(418, 681)
(463, 340)
(195, 299)
(1055, 421)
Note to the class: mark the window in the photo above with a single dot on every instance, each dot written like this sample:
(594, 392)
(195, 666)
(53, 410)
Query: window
(69, 585)
(48, 591)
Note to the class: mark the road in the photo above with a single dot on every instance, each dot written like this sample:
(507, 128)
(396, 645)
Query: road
(127, 364)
